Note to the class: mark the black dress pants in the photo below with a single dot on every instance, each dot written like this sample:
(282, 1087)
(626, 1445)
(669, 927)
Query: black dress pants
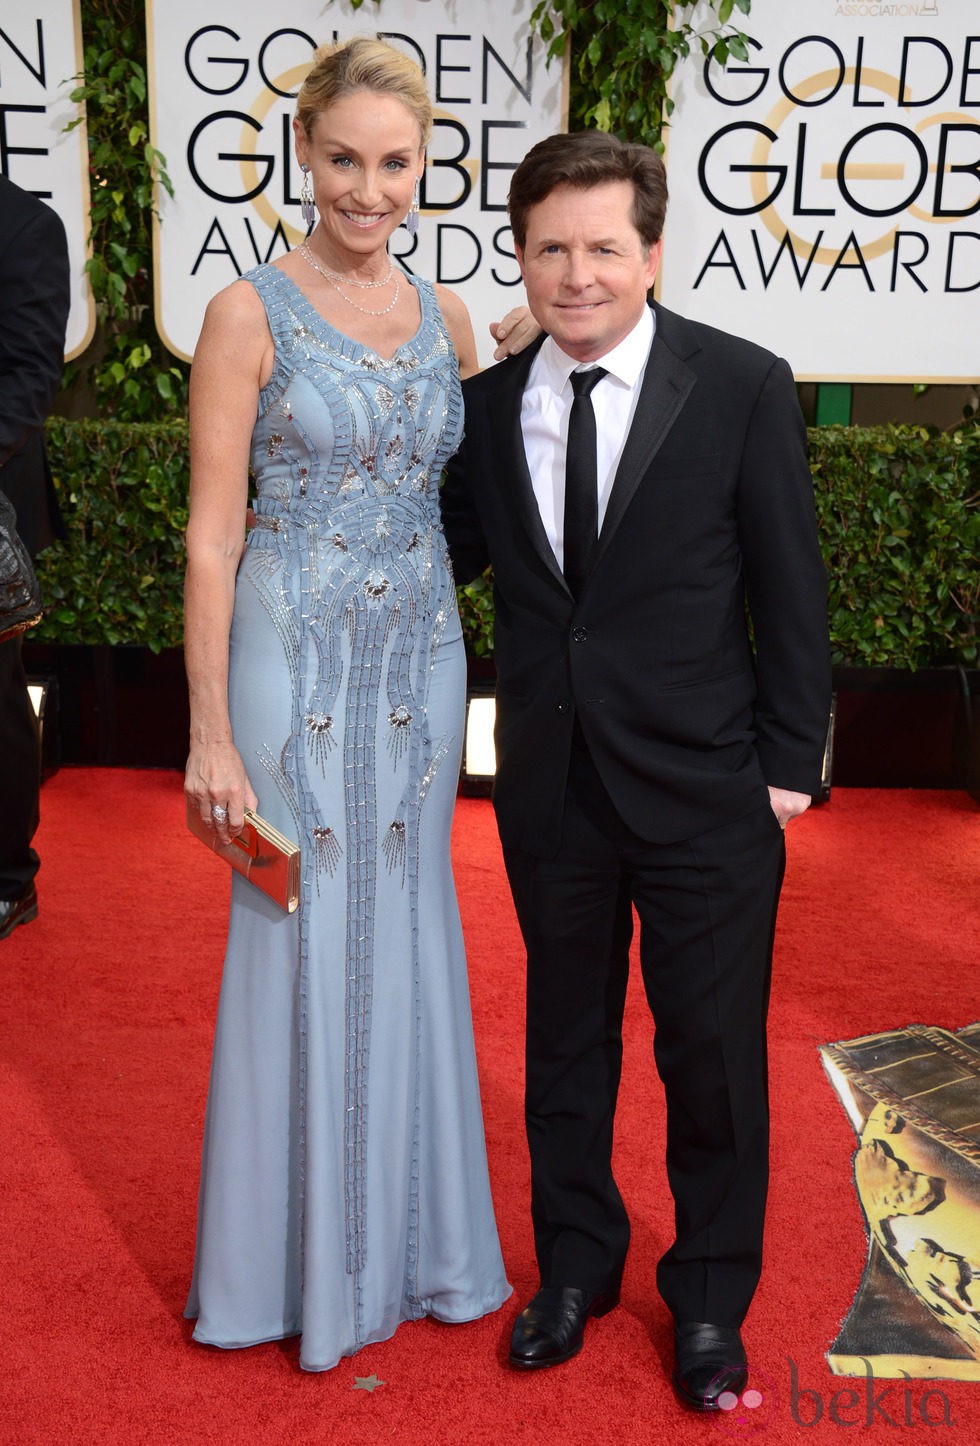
(707, 910)
(19, 775)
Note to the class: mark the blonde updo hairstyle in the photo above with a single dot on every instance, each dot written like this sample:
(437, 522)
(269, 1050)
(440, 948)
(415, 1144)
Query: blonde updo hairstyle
(363, 64)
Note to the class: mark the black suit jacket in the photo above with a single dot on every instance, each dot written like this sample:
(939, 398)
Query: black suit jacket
(711, 510)
(34, 304)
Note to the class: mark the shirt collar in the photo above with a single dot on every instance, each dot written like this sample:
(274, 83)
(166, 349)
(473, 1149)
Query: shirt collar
(625, 362)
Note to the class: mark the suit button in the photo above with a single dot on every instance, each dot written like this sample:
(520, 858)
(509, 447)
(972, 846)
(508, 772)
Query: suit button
(563, 706)
(579, 635)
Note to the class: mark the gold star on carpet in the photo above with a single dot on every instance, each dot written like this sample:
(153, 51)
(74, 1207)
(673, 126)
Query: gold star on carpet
(367, 1383)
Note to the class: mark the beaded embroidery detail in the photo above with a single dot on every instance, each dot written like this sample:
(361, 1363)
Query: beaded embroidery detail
(342, 557)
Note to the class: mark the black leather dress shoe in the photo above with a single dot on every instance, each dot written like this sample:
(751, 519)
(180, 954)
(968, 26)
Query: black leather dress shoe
(549, 1330)
(17, 911)
(709, 1361)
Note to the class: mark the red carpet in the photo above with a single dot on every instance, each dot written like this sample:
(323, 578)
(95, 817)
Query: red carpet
(107, 1010)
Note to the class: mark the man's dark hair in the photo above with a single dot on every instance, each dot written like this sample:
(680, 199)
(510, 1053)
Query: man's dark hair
(584, 159)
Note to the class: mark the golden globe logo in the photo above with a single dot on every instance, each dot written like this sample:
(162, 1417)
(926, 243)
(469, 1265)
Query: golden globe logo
(858, 171)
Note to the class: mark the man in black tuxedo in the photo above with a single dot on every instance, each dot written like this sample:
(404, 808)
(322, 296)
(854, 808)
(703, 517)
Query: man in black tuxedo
(34, 304)
(650, 746)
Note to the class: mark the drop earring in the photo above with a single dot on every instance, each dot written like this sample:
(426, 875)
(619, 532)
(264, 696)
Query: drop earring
(307, 205)
(412, 219)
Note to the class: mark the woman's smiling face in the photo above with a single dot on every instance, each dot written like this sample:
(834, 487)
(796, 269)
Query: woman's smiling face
(365, 154)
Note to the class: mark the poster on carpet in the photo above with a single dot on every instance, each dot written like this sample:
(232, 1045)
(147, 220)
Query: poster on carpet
(913, 1098)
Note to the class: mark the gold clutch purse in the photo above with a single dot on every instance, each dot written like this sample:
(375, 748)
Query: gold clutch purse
(260, 852)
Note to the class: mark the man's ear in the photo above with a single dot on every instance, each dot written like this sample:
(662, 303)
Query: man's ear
(654, 255)
(519, 253)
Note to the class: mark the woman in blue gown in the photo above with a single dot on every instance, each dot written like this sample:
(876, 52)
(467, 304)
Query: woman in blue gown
(344, 1182)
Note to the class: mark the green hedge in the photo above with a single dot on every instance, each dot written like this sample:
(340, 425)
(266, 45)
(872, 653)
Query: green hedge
(898, 509)
(117, 577)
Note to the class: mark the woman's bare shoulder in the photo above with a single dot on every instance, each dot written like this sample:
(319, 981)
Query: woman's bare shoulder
(460, 328)
(236, 304)
(453, 307)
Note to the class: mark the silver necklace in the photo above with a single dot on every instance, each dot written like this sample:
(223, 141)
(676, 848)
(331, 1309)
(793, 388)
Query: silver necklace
(338, 282)
(346, 280)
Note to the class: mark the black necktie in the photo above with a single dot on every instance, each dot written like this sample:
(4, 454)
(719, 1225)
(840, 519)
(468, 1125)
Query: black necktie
(581, 481)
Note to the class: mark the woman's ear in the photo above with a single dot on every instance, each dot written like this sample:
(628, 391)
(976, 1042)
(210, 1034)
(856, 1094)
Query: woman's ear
(300, 141)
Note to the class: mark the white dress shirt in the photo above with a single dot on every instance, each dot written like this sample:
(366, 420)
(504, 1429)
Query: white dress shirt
(544, 419)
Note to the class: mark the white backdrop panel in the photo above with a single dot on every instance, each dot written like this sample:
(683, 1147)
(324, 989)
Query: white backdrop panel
(224, 76)
(40, 52)
(825, 197)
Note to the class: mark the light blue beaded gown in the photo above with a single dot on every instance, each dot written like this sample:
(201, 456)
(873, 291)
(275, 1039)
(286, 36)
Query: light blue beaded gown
(344, 1183)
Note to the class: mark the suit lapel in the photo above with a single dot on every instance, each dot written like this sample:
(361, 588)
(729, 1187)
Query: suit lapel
(515, 458)
(667, 383)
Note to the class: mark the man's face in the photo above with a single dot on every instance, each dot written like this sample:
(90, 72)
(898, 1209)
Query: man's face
(586, 270)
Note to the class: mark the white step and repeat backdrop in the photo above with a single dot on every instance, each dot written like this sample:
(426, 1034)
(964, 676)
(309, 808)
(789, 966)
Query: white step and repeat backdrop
(40, 53)
(825, 197)
(223, 80)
